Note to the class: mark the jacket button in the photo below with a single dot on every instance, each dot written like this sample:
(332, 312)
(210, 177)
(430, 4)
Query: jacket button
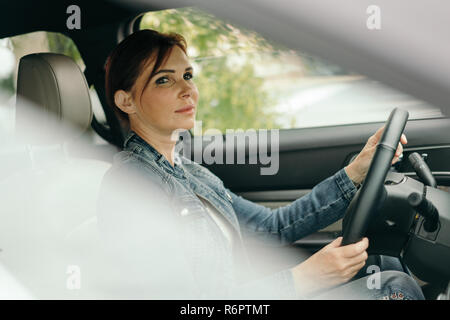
(184, 212)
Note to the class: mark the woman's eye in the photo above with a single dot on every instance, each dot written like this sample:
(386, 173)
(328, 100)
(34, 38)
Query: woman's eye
(162, 80)
(168, 82)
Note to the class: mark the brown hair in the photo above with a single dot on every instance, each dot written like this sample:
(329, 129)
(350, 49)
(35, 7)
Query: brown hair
(127, 60)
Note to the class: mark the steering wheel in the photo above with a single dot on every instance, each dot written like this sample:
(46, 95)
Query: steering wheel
(364, 205)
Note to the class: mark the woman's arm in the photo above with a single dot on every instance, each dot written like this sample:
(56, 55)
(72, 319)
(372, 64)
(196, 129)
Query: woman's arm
(325, 204)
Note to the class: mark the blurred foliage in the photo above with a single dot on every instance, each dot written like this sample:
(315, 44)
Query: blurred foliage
(231, 99)
(7, 86)
(207, 34)
(231, 94)
(59, 43)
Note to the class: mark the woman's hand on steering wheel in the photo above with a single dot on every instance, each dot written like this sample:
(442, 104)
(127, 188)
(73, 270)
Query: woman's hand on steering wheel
(332, 265)
(357, 170)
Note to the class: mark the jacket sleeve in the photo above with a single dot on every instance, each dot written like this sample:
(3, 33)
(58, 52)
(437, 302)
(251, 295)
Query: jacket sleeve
(325, 204)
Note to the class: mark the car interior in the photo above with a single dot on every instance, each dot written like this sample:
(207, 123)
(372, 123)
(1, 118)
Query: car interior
(404, 209)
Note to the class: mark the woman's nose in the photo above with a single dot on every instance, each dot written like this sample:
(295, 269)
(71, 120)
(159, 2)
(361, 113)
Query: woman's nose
(186, 89)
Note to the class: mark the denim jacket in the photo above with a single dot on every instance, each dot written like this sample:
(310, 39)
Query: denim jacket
(219, 269)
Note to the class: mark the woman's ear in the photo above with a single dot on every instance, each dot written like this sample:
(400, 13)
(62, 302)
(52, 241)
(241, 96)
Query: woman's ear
(124, 101)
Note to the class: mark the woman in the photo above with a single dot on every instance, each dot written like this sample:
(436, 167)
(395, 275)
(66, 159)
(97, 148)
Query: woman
(149, 82)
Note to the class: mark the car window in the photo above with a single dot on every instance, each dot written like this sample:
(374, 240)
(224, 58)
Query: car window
(14, 48)
(246, 81)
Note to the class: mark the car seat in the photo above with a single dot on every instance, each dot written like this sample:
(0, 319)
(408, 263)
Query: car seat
(49, 203)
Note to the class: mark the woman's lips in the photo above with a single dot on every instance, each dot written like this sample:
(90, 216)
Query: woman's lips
(187, 109)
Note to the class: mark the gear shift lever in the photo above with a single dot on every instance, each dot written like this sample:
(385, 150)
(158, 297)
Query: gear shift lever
(422, 169)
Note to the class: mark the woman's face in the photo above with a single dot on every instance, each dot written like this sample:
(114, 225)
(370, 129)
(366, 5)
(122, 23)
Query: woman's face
(169, 100)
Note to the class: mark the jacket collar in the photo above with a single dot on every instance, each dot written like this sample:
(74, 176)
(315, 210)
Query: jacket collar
(136, 144)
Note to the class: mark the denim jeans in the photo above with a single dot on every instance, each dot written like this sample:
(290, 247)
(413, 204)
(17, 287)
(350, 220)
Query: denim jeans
(382, 278)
